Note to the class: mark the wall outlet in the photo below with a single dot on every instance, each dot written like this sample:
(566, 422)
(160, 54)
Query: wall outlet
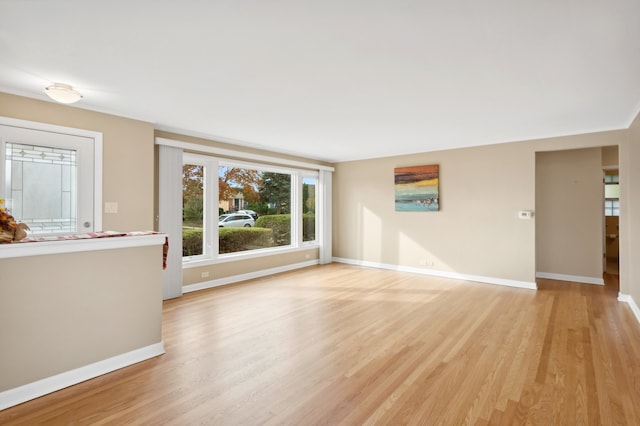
(111, 207)
(204, 274)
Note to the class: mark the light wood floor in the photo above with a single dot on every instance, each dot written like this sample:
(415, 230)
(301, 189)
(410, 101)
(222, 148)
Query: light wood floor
(339, 344)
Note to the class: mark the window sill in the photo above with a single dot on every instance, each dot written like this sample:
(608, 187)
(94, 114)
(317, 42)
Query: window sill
(248, 255)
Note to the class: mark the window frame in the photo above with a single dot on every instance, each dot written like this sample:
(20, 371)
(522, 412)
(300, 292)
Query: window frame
(209, 190)
(611, 204)
(316, 176)
(95, 189)
(211, 253)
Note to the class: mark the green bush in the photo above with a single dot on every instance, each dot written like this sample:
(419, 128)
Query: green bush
(231, 240)
(191, 242)
(280, 224)
(269, 231)
(239, 239)
(309, 227)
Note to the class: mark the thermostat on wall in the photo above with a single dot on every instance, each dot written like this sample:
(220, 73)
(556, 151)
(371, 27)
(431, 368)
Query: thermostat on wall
(525, 214)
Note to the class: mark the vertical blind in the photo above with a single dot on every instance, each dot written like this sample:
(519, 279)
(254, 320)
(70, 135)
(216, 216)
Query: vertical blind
(170, 216)
(325, 185)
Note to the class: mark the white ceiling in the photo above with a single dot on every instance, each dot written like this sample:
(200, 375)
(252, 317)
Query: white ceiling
(336, 80)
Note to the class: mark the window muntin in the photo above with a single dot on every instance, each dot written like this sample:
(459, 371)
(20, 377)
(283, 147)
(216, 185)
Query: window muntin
(309, 202)
(611, 207)
(611, 195)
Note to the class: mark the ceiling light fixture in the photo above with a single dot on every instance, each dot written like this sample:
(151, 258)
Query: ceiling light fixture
(63, 93)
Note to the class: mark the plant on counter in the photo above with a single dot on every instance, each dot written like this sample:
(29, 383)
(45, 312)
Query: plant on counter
(10, 230)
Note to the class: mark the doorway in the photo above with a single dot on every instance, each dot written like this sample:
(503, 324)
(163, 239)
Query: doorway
(611, 221)
(577, 228)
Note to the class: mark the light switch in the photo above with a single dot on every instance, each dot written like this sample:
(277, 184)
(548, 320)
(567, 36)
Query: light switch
(111, 207)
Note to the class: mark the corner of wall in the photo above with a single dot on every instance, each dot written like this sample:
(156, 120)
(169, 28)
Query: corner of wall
(629, 271)
(635, 123)
(632, 304)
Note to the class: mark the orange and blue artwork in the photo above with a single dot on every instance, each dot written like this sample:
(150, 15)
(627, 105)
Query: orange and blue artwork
(417, 188)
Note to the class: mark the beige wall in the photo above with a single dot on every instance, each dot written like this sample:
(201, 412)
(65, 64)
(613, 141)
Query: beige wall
(630, 221)
(569, 212)
(247, 266)
(477, 231)
(610, 156)
(128, 156)
(100, 304)
(68, 311)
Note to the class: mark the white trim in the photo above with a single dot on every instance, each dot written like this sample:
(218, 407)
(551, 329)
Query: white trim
(632, 304)
(248, 276)
(211, 253)
(295, 223)
(248, 254)
(74, 246)
(572, 278)
(316, 177)
(97, 156)
(42, 387)
(444, 274)
(210, 210)
(622, 297)
(97, 182)
(262, 167)
(239, 154)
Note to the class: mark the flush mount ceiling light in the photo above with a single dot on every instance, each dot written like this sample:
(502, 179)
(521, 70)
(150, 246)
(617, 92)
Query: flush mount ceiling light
(63, 93)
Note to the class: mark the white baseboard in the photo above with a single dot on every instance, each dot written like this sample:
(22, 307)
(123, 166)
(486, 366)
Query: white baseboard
(444, 274)
(573, 278)
(632, 304)
(33, 390)
(248, 276)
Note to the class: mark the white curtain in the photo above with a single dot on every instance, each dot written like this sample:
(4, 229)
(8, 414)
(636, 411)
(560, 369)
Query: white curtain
(170, 216)
(326, 255)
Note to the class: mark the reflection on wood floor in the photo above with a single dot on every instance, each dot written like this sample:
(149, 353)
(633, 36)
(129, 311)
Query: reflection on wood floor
(339, 344)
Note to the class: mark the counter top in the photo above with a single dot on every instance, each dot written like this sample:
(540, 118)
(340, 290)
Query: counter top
(105, 242)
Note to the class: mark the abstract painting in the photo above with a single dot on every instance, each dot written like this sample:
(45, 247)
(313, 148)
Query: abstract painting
(417, 188)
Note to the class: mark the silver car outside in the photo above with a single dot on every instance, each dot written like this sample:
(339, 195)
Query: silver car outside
(251, 213)
(235, 220)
